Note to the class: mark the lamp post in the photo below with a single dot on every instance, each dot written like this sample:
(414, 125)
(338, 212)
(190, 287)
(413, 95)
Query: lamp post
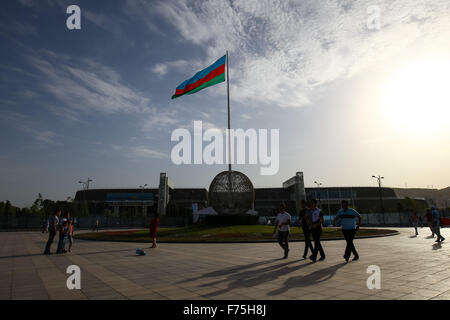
(143, 187)
(379, 178)
(85, 185)
(319, 184)
(144, 211)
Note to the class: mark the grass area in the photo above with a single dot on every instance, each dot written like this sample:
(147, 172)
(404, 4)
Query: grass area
(202, 233)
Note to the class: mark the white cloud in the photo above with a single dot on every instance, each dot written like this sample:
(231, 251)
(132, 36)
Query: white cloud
(146, 152)
(34, 129)
(281, 51)
(45, 136)
(86, 86)
(26, 3)
(153, 119)
(160, 68)
(180, 65)
(37, 3)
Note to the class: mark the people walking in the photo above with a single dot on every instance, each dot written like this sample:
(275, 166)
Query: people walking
(282, 223)
(154, 229)
(349, 228)
(316, 230)
(305, 216)
(415, 222)
(437, 225)
(429, 217)
(53, 227)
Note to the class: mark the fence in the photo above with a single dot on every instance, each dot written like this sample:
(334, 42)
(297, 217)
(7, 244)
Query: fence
(105, 222)
(369, 219)
(110, 222)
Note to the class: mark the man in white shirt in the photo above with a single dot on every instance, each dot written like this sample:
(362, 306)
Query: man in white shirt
(283, 223)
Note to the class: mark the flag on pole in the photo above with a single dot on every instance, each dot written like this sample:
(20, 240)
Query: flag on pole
(210, 76)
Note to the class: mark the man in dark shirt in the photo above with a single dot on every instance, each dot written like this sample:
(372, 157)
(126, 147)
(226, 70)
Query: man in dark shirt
(54, 223)
(305, 216)
(316, 230)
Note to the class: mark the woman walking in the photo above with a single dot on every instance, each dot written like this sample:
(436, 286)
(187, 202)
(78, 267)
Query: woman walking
(316, 230)
(154, 229)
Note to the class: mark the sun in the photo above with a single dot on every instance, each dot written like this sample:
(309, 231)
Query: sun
(417, 96)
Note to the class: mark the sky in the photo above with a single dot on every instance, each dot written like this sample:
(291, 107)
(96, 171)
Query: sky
(351, 98)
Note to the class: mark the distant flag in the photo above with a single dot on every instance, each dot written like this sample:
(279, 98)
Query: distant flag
(210, 76)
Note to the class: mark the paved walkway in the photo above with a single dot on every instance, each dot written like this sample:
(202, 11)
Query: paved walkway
(411, 268)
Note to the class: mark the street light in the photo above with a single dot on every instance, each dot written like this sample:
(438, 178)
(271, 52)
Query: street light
(319, 184)
(85, 185)
(144, 208)
(379, 178)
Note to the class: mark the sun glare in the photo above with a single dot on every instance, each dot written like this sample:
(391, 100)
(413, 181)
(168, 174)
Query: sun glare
(417, 97)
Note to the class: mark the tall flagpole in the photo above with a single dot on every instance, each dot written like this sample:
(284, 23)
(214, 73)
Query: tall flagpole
(230, 197)
(229, 126)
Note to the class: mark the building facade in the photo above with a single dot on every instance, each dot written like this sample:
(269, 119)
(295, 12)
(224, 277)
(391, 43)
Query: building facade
(145, 202)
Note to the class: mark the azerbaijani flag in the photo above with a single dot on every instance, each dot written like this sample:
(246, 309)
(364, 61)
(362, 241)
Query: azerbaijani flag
(210, 76)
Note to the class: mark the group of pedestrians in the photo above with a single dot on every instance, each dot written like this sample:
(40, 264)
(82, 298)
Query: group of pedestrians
(63, 226)
(311, 221)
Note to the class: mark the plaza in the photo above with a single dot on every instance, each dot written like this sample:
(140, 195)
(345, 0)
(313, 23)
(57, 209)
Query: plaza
(411, 268)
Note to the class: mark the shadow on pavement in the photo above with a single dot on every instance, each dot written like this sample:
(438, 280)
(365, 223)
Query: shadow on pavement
(308, 280)
(58, 255)
(230, 270)
(248, 276)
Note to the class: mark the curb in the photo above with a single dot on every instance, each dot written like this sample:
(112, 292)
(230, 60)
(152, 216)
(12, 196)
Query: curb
(394, 233)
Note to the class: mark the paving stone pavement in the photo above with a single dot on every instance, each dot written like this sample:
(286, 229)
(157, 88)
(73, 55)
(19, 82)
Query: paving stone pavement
(411, 268)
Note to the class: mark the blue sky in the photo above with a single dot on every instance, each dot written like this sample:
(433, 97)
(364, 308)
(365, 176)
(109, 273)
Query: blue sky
(96, 102)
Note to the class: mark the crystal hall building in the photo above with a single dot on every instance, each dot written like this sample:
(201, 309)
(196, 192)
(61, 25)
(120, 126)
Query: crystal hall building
(266, 200)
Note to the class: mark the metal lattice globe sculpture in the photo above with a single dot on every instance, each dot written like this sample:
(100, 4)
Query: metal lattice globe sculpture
(231, 193)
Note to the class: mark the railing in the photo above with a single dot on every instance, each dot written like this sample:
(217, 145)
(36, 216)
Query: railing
(105, 222)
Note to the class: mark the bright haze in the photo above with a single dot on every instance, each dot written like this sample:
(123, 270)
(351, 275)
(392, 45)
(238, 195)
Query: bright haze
(351, 98)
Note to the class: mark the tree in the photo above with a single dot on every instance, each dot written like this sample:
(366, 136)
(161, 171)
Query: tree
(47, 207)
(37, 206)
(412, 205)
(9, 209)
